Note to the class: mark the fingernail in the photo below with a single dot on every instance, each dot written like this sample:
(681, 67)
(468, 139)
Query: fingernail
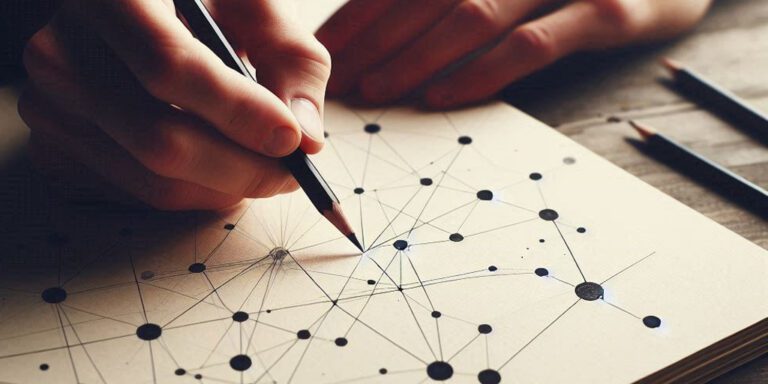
(281, 142)
(309, 118)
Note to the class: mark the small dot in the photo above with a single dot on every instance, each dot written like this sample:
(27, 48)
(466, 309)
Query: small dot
(569, 161)
(456, 237)
(44, 367)
(548, 214)
(541, 272)
(489, 376)
(180, 372)
(400, 245)
(149, 331)
(589, 291)
(535, 176)
(199, 376)
(240, 316)
(426, 181)
(240, 363)
(541, 240)
(581, 229)
(341, 341)
(54, 295)
(229, 226)
(371, 282)
(485, 195)
(383, 371)
(613, 119)
(651, 321)
(197, 268)
(372, 128)
(359, 191)
(146, 275)
(440, 371)
(493, 268)
(484, 329)
(326, 134)
(436, 314)
(335, 302)
(464, 140)
(269, 311)
(303, 334)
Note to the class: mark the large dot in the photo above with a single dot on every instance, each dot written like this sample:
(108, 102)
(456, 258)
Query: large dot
(589, 291)
(541, 272)
(426, 181)
(535, 176)
(400, 245)
(436, 314)
(197, 268)
(651, 321)
(484, 329)
(548, 214)
(359, 191)
(54, 295)
(303, 334)
(240, 362)
(456, 237)
(489, 376)
(383, 371)
(440, 371)
(240, 316)
(180, 372)
(464, 140)
(229, 226)
(581, 229)
(372, 128)
(149, 331)
(44, 367)
(371, 282)
(485, 195)
(341, 341)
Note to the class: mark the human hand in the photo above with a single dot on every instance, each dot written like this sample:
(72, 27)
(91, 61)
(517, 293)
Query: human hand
(122, 87)
(387, 49)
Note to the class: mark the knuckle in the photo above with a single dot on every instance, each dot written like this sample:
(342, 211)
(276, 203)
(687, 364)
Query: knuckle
(480, 13)
(168, 148)
(620, 14)
(160, 73)
(536, 40)
(35, 54)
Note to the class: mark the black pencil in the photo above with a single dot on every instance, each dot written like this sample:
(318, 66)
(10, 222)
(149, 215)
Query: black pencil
(317, 189)
(746, 117)
(705, 171)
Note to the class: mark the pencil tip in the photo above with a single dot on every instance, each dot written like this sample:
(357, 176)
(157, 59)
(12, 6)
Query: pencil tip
(672, 65)
(645, 131)
(353, 238)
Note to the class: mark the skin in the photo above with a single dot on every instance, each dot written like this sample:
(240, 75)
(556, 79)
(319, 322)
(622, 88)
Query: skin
(384, 50)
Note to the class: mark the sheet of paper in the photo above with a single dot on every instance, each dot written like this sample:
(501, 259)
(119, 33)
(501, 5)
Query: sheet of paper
(497, 250)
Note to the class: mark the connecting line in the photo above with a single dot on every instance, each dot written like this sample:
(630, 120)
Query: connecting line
(367, 159)
(570, 252)
(429, 199)
(621, 309)
(423, 223)
(66, 341)
(539, 334)
(226, 236)
(472, 340)
(395, 218)
(628, 267)
(309, 342)
(268, 369)
(368, 299)
(272, 270)
(91, 262)
(138, 288)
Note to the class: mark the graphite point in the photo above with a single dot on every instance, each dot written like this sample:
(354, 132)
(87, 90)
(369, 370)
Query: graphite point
(485, 195)
(229, 226)
(456, 237)
(372, 128)
(303, 334)
(359, 191)
(548, 214)
(440, 371)
(341, 341)
(464, 140)
(240, 316)
(278, 253)
(180, 372)
(541, 272)
(426, 181)
(54, 295)
(240, 363)
(197, 268)
(400, 245)
(489, 376)
(149, 331)
(589, 291)
(484, 329)
(535, 176)
(651, 321)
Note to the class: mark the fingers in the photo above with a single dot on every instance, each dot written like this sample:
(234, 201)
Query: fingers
(179, 70)
(581, 25)
(56, 135)
(354, 17)
(165, 140)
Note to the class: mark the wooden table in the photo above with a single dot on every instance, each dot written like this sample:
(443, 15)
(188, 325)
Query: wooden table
(590, 97)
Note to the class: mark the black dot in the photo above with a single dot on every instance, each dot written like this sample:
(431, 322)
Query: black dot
(534, 176)
(371, 282)
(489, 376)
(400, 244)
(359, 191)
(548, 214)
(240, 363)
(199, 376)
(180, 372)
(485, 195)
(303, 334)
(436, 314)
(372, 128)
(439, 370)
(493, 268)
(44, 367)
(240, 316)
(456, 237)
(326, 134)
(613, 119)
(464, 140)
(341, 341)
(149, 331)
(269, 311)
(229, 226)
(197, 268)
(484, 329)
(400, 288)
(651, 321)
(426, 181)
(541, 240)
(54, 295)
(589, 291)
(383, 371)
(569, 160)
(581, 229)
(146, 275)
(335, 302)
(541, 272)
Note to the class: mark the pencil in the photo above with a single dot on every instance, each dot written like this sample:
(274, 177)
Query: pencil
(705, 171)
(298, 163)
(747, 118)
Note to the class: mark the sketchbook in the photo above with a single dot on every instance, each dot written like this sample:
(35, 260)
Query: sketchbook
(497, 250)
